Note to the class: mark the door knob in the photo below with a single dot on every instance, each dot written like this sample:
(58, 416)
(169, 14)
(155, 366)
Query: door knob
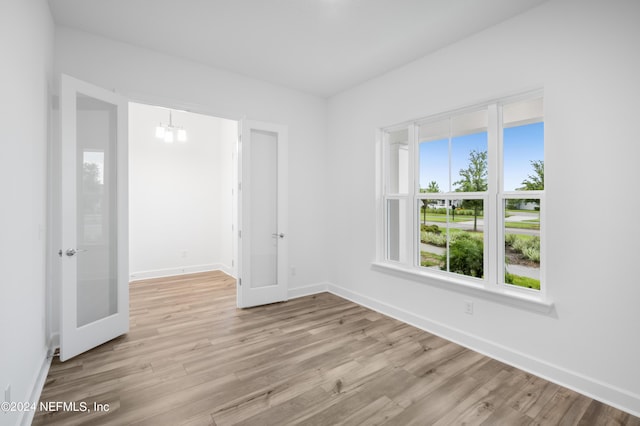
(72, 252)
(280, 235)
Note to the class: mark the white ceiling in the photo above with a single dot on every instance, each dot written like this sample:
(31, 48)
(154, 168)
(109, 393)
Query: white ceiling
(316, 46)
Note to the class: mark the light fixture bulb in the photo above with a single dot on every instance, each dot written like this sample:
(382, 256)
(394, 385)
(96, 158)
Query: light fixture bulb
(169, 133)
(168, 136)
(182, 135)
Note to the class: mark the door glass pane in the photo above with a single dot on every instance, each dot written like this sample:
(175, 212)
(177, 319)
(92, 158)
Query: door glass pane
(96, 210)
(263, 209)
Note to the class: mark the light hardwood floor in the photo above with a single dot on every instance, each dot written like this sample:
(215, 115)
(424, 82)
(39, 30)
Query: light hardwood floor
(192, 358)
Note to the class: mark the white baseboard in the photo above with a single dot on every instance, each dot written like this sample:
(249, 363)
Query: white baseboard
(227, 270)
(36, 390)
(603, 392)
(170, 272)
(307, 290)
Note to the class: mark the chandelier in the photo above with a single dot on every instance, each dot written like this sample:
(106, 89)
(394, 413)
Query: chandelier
(169, 132)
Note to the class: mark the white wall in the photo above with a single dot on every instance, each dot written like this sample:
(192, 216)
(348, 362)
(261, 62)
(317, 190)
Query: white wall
(585, 55)
(150, 77)
(228, 138)
(26, 40)
(180, 194)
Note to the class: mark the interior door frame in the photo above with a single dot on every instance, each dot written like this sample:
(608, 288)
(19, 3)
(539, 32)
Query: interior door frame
(75, 340)
(246, 298)
(55, 210)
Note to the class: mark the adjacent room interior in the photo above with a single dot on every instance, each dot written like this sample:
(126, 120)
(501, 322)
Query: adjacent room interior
(180, 199)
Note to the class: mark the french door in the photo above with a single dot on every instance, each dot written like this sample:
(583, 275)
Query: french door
(94, 234)
(262, 236)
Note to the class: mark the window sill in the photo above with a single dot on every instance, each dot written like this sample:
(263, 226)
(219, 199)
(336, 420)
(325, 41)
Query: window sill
(532, 302)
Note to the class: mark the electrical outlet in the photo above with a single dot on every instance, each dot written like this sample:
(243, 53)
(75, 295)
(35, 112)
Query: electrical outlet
(7, 394)
(468, 307)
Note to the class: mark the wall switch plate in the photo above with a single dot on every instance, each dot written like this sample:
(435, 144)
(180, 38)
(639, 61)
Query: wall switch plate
(468, 307)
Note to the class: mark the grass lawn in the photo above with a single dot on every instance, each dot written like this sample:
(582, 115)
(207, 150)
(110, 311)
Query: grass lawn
(441, 218)
(522, 281)
(523, 225)
(524, 236)
(522, 211)
(429, 259)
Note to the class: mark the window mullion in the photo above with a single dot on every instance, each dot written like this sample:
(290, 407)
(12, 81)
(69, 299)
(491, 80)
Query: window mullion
(412, 202)
(492, 212)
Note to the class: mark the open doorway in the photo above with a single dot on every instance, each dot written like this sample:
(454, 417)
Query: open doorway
(189, 206)
(182, 206)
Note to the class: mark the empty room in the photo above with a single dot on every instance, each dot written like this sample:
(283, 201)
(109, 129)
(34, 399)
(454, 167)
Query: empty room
(319, 212)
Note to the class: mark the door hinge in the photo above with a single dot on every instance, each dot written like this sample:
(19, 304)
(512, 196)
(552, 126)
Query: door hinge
(60, 252)
(239, 233)
(239, 186)
(239, 281)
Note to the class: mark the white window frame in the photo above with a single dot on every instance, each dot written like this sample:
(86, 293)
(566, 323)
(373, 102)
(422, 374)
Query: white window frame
(492, 285)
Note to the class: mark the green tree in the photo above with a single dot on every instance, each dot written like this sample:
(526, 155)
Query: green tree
(535, 181)
(432, 187)
(474, 179)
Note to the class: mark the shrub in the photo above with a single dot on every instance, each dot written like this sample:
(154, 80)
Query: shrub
(520, 244)
(439, 240)
(468, 212)
(439, 210)
(431, 228)
(466, 255)
(532, 253)
(509, 239)
(528, 247)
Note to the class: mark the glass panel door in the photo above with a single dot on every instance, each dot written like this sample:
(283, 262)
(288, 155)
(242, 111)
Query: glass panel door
(94, 302)
(262, 240)
(97, 225)
(264, 208)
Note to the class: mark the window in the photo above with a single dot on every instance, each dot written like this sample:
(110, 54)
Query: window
(462, 195)
(522, 191)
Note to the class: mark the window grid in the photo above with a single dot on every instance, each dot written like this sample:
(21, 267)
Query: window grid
(494, 198)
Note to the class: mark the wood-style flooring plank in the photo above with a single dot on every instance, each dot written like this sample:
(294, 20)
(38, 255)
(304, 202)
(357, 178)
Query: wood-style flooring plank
(192, 358)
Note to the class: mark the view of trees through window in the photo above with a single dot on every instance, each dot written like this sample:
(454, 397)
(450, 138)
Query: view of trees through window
(453, 170)
(453, 159)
